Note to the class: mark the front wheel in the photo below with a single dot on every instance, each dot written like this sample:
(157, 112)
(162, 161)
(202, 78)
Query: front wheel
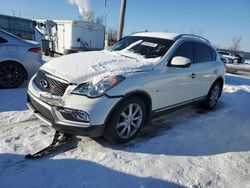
(213, 95)
(125, 121)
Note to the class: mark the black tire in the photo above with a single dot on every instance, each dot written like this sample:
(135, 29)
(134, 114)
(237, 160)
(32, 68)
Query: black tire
(12, 75)
(114, 128)
(52, 54)
(213, 96)
(46, 53)
(235, 60)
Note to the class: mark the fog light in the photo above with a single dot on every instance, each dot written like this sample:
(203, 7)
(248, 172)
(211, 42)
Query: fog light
(74, 115)
(81, 116)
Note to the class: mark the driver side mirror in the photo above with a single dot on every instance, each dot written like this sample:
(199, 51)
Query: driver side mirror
(180, 61)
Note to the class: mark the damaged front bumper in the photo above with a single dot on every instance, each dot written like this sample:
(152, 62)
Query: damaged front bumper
(62, 121)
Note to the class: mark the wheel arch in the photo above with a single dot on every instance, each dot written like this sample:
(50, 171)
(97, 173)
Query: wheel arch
(221, 81)
(144, 96)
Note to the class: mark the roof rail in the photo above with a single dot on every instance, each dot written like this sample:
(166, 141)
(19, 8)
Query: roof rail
(190, 35)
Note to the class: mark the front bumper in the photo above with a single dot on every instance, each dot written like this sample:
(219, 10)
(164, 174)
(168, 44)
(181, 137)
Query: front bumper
(49, 115)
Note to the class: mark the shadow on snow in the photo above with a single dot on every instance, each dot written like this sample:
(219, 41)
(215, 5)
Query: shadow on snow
(15, 172)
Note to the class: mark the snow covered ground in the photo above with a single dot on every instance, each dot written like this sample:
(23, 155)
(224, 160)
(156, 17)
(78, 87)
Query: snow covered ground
(187, 148)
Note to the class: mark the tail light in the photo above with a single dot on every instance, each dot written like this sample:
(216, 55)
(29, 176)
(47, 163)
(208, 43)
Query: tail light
(35, 50)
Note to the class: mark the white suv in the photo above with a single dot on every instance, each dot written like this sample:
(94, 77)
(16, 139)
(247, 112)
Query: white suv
(116, 91)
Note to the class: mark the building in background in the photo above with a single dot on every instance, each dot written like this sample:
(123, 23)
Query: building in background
(20, 27)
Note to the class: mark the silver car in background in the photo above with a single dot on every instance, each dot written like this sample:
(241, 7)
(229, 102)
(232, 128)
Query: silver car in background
(19, 60)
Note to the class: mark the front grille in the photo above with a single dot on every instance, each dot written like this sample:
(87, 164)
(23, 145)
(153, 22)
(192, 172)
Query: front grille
(49, 84)
(40, 109)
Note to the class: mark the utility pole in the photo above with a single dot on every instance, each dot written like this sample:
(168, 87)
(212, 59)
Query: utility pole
(104, 19)
(105, 14)
(121, 20)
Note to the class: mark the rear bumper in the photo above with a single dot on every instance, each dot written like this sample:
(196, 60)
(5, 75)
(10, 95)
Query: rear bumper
(48, 114)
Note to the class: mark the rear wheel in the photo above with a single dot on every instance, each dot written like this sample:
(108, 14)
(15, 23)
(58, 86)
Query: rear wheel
(213, 95)
(126, 121)
(11, 75)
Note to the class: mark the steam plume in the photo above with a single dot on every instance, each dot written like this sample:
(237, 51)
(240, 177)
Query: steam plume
(83, 7)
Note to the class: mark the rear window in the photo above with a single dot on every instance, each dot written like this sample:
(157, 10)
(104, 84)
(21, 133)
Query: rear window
(2, 40)
(203, 53)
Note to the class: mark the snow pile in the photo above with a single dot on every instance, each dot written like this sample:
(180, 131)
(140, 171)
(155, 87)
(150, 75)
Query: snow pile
(190, 148)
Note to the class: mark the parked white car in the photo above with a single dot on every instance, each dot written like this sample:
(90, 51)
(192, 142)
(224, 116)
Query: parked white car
(116, 91)
(19, 60)
(228, 57)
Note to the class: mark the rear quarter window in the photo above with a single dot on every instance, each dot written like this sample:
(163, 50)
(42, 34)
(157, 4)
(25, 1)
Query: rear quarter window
(2, 40)
(202, 53)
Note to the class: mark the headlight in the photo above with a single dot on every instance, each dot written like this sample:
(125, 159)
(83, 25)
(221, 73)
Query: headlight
(98, 89)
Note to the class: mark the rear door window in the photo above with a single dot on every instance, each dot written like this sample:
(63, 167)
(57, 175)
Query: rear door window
(202, 53)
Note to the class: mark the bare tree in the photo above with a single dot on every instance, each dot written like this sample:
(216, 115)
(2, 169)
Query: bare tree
(112, 36)
(236, 40)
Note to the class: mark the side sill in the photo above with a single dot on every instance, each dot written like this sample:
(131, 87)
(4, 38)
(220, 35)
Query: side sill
(172, 108)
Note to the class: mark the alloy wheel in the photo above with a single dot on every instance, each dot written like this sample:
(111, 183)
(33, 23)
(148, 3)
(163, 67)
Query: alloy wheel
(11, 76)
(214, 96)
(129, 121)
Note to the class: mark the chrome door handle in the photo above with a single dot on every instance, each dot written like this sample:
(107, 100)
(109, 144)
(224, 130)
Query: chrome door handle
(193, 75)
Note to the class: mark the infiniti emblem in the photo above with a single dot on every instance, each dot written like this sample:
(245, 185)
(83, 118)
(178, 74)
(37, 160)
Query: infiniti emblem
(44, 84)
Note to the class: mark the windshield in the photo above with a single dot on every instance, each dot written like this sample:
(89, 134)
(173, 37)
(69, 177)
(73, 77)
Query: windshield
(144, 46)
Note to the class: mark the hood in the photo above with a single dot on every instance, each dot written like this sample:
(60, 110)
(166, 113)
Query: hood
(85, 66)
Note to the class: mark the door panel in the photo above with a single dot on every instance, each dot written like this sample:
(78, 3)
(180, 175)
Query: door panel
(60, 45)
(206, 74)
(205, 64)
(178, 86)
(3, 48)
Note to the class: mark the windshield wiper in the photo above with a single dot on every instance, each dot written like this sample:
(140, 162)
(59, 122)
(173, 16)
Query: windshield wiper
(127, 56)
